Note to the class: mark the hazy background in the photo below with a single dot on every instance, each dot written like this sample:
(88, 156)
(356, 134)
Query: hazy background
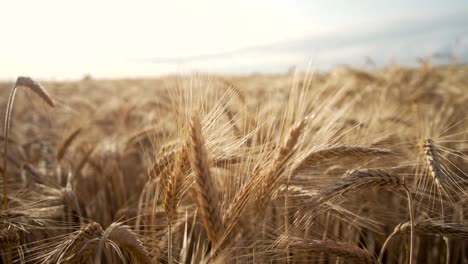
(51, 39)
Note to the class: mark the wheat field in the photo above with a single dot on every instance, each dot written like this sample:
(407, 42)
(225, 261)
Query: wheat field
(344, 166)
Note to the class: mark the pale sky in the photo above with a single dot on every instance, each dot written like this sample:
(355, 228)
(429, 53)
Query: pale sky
(67, 39)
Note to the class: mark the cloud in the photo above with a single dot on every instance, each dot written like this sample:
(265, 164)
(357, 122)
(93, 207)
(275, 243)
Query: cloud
(405, 41)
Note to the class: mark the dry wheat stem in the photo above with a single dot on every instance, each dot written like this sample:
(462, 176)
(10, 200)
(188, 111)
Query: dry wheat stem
(6, 131)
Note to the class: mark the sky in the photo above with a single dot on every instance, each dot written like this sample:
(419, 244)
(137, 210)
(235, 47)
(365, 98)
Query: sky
(51, 39)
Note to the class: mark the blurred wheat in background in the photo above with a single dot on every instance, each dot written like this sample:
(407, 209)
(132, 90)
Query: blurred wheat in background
(337, 167)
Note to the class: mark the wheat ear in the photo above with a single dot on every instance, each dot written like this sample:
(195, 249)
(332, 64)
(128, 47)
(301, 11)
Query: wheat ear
(173, 193)
(443, 229)
(340, 249)
(430, 158)
(36, 87)
(126, 239)
(77, 247)
(207, 197)
(66, 143)
(272, 180)
(343, 151)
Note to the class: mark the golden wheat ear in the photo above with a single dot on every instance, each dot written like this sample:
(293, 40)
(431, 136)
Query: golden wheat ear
(66, 143)
(341, 249)
(124, 238)
(36, 87)
(207, 196)
(77, 247)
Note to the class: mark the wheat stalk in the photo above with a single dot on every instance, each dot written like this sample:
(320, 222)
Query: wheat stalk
(41, 92)
(163, 160)
(343, 151)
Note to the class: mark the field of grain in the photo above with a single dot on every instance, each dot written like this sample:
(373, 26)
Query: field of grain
(347, 166)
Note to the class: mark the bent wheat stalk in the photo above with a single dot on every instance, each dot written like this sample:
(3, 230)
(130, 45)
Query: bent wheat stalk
(41, 92)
